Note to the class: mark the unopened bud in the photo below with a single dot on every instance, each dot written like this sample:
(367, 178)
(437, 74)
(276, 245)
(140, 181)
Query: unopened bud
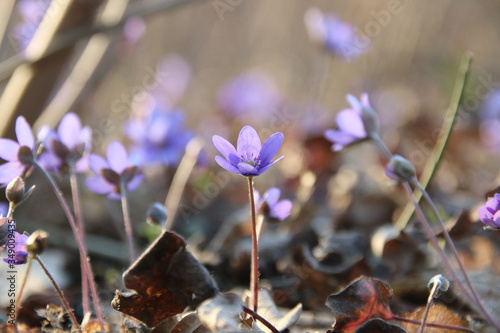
(16, 192)
(400, 169)
(36, 242)
(157, 214)
(437, 285)
(370, 121)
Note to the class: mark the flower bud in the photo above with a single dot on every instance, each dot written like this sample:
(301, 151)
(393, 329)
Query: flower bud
(400, 169)
(438, 284)
(16, 191)
(36, 242)
(370, 120)
(157, 214)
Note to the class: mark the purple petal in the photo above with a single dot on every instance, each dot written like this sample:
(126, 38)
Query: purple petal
(135, 182)
(82, 165)
(247, 169)
(96, 163)
(264, 168)
(117, 157)
(248, 141)
(9, 171)
(8, 149)
(272, 196)
(282, 210)
(226, 149)
(365, 101)
(69, 130)
(349, 121)
(226, 165)
(271, 147)
(354, 102)
(86, 137)
(496, 219)
(339, 137)
(24, 134)
(99, 185)
(44, 134)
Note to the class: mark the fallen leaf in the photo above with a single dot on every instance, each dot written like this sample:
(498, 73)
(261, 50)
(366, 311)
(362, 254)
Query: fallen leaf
(221, 313)
(438, 314)
(363, 299)
(271, 313)
(377, 325)
(166, 279)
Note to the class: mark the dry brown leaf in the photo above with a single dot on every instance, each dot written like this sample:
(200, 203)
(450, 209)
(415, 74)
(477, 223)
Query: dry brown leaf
(438, 314)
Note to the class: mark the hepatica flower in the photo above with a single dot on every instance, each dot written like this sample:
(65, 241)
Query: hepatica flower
(20, 251)
(250, 158)
(114, 172)
(489, 214)
(17, 154)
(70, 145)
(350, 124)
(271, 207)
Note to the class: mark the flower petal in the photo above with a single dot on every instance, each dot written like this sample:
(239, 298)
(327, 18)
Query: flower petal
(117, 157)
(271, 147)
(339, 137)
(99, 185)
(24, 134)
(69, 130)
(247, 169)
(9, 171)
(281, 210)
(354, 102)
(272, 196)
(134, 183)
(8, 149)
(96, 163)
(226, 165)
(365, 101)
(248, 141)
(349, 121)
(264, 168)
(226, 149)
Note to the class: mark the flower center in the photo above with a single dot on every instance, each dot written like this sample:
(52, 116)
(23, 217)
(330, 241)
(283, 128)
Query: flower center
(251, 159)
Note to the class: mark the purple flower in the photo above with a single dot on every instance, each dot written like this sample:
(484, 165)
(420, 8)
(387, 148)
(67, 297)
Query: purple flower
(158, 137)
(250, 158)
(17, 244)
(490, 121)
(489, 214)
(9, 151)
(400, 169)
(70, 145)
(335, 35)
(249, 94)
(115, 172)
(32, 13)
(4, 208)
(350, 124)
(271, 207)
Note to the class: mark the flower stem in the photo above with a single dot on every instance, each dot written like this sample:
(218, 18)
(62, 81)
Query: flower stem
(254, 264)
(59, 292)
(23, 283)
(454, 251)
(79, 241)
(81, 228)
(127, 223)
(261, 319)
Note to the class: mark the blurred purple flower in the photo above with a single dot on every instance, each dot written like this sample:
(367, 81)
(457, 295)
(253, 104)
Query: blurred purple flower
(4, 208)
(9, 151)
(115, 172)
(32, 13)
(20, 255)
(250, 158)
(70, 145)
(173, 76)
(253, 93)
(271, 207)
(158, 137)
(134, 29)
(490, 121)
(350, 124)
(335, 35)
(400, 169)
(489, 214)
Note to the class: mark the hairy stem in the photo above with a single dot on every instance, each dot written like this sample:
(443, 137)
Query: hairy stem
(254, 265)
(59, 292)
(23, 284)
(127, 223)
(261, 319)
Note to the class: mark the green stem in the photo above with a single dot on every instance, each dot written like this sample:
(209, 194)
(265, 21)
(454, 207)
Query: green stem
(127, 223)
(59, 292)
(254, 264)
(79, 241)
(443, 138)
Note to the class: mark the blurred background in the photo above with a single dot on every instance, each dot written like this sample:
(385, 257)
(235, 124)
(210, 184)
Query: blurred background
(223, 64)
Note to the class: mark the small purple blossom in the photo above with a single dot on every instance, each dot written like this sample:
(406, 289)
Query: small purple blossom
(400, 169)
(250, 158)
(271, 207)
(114, 172)
(20, 255)
(70, 145)
(9, 151)
(490, 121)
(32, 13)
(249, 94)
(335, 35)
(489, 214)
(350, 124)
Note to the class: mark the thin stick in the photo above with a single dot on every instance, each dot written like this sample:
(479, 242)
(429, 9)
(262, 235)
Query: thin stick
(443, 138)
(127, 223)
(81, 228)
(432, 293)
(254, 265)
(261, 319)
(59, 292)
(79, 241)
